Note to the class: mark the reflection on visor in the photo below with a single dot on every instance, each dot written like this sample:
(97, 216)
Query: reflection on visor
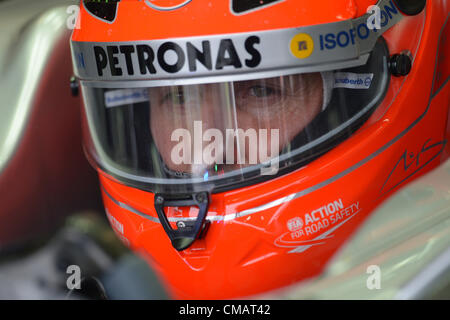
(227, 133)
(231, 125)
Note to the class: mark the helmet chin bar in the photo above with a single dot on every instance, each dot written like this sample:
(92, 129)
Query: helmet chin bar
(188, 231)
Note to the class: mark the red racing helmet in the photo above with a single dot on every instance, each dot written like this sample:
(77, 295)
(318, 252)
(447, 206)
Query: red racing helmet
(239, 144)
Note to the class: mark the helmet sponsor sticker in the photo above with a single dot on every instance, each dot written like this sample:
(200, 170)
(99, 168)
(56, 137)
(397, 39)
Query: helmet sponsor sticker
(172, 57)
(237, 56)
(351, 80)
(302, 45)
(361, 30)
(316, 226)
(122, 97)
(295, 224)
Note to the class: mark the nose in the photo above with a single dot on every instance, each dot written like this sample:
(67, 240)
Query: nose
(217, 115)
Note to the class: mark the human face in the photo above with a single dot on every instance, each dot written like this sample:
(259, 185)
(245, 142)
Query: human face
(283, 105)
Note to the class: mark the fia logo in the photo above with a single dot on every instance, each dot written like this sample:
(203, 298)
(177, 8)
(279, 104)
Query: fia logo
(295, 224)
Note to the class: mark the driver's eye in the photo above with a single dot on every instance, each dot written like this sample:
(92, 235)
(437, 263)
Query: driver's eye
(175, 97)
(261, 91)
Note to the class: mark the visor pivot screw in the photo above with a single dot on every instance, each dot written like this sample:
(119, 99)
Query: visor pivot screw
(410, 7)
(74, 86)
(159, 200)
(400, 64)
(200, 197)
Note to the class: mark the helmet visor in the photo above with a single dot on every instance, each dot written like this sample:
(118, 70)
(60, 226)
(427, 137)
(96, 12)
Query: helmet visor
(227, 134)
